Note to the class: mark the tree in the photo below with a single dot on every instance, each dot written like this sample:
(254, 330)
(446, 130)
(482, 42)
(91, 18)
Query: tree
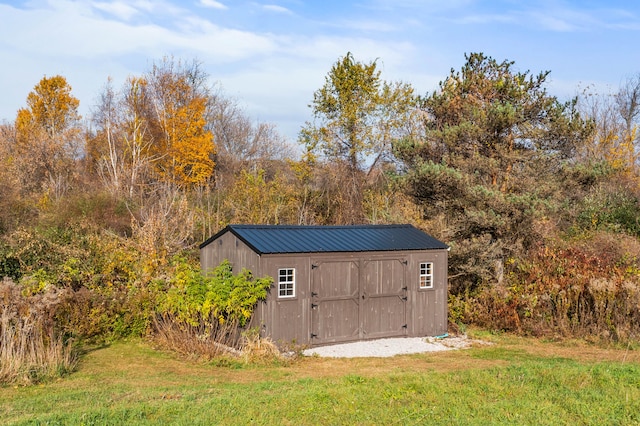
(356, 117)
(628, 105)
(627, 101)
(155, 130)
(183, 146)
(492, 142)
(615, 118)
(119, 147)
(240, 141)
(13, 211)
(487, 117)
(48, 131)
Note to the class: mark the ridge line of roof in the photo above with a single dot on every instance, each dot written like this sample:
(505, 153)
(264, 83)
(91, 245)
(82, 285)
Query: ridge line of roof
(268, 238)
(405, 225)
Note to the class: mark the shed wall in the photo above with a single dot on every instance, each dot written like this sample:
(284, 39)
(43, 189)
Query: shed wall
(355, 296)
(286, 320)
(229, 247)
(342, 297)
(428, 307)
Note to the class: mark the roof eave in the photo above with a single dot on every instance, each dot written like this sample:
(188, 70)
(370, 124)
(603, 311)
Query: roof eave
(229, 228)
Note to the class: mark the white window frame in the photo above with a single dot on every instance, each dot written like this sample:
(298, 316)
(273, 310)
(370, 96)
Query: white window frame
(286, 283)
(426, 275)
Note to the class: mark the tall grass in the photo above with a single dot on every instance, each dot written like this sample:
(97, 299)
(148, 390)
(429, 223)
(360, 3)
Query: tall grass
(32, 347)
(205, 340)
(211, 339)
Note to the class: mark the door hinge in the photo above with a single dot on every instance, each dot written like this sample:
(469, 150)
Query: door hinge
(404, 298)
(314, 265)
(314, 294)
(314, 305)
(314, 335)
(404, 326)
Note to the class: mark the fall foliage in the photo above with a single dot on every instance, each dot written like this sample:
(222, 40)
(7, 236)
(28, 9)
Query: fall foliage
(539, 198)
(47, 136)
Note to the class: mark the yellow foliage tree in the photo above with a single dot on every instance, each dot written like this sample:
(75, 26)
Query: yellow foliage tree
(620, 152)
(47, 134)
(184, 146)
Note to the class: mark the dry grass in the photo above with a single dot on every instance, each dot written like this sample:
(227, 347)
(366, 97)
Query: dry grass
(166, 364)
(214, 341)
(256, 350)
(31, 347)
(205, 341)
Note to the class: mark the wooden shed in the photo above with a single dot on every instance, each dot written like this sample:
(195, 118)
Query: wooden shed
(339, 283)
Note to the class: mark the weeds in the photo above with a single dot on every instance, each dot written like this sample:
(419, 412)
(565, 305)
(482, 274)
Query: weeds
(256, 349)
(588, 289)
(32, 347)
(196, 341)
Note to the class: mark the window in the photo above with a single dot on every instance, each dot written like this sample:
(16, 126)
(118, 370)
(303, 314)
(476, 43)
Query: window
(426, 275)
(286, 282)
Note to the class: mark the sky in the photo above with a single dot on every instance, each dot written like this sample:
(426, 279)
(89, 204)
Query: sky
(272, 55)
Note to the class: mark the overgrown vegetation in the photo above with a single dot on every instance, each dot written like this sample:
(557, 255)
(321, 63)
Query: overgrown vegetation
(204, 315)
(538, 198)
(33, 346)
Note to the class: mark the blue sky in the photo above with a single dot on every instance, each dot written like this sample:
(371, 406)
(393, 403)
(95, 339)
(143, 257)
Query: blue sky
(272, 55)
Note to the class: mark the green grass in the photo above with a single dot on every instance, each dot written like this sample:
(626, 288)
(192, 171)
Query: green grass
(516, 382)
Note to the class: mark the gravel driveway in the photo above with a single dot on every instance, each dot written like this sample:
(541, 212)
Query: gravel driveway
(389, 347)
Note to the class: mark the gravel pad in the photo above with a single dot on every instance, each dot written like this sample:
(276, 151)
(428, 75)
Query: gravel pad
(388, 347)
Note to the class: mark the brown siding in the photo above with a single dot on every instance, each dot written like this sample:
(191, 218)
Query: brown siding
(229, 247)
(428, 307)
(286, 319)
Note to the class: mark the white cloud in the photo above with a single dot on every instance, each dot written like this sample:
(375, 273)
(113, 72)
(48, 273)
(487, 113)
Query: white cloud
(368, 25)
(487, 19)
(554, 23)
(213, 4)
(274, 70)
(118, 9)
(277, 9)
(71, 30)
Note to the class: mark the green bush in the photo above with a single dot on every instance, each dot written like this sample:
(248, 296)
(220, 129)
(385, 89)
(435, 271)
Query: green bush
(203, 316)
(194, 298)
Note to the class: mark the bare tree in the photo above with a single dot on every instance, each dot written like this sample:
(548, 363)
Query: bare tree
(242, 142)
(119, 146)
(627, 101)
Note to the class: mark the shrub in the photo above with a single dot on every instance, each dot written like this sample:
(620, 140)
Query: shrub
(256, 349)
(582, 288)
(198, 310)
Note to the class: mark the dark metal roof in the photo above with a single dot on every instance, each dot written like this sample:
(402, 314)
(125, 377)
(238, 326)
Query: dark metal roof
(265, 239)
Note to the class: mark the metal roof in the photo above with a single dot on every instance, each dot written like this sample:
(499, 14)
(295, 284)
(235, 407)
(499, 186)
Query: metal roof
(267, 239)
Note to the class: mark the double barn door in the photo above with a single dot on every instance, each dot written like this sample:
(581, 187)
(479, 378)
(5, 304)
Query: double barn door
(356, 299)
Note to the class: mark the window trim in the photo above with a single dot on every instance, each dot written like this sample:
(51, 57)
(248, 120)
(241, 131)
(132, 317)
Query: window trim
(425, 270)
(286, 282)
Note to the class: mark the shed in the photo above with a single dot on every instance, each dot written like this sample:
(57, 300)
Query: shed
(339, 283)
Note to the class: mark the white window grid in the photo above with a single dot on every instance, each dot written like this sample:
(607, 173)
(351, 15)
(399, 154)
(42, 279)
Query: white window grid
(286, 282)
(426, 275)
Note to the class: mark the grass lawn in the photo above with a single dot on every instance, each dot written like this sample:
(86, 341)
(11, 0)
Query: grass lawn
(514, 381)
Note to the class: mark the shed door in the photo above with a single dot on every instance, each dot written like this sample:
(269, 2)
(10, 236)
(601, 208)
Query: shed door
(357, 299)
(384, 298)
